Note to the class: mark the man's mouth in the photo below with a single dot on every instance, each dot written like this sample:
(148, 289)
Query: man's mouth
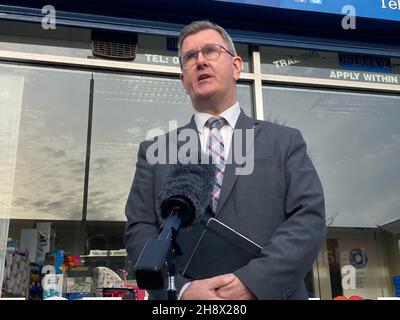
(203, 77)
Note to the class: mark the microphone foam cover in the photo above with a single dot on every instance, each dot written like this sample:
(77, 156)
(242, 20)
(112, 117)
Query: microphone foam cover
(192, 181)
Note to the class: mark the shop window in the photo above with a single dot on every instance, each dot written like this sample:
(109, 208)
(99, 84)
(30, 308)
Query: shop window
(349, 135)
(45, 173)
(59, 226)
(51, 144)
(353, 139)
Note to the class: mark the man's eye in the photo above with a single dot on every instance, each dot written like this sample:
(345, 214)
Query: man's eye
(209, 50)
(190, 55)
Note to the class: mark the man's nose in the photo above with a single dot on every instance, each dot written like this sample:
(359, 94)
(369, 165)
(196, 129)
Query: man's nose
(201, 60)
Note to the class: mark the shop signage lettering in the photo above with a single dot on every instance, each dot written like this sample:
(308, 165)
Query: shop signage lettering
(285, 62)
(172, 44)
(364, 76)
(99, 253)
(390, 4)
(158, 58)
(344, 75)
(295, 60)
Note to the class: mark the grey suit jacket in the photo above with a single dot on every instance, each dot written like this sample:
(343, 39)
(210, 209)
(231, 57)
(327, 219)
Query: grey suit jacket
(280, 206)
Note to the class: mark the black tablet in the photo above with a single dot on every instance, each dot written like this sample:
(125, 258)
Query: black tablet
(219, 250)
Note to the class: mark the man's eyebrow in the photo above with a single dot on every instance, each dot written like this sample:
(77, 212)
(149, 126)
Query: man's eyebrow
(206, 44)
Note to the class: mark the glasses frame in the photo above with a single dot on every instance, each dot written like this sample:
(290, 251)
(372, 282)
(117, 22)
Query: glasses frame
(220, 47)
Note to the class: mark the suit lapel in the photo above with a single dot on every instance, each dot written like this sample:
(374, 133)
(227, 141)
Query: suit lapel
(191, 126)
(230, 175)
(173, 146)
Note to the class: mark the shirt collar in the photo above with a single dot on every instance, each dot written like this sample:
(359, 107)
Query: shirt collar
(231, 115)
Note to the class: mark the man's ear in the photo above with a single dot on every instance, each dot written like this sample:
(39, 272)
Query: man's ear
(183, 83)
(237, 67)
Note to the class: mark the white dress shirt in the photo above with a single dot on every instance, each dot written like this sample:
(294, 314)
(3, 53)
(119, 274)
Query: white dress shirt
(231, 116)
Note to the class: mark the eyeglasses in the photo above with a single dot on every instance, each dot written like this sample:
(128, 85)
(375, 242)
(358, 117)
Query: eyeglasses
(210, 52)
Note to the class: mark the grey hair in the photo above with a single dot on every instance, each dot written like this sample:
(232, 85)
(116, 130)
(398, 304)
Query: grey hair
(197, 26)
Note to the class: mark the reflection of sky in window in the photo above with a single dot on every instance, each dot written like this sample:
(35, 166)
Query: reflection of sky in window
(125, 109)
(49, 173)
(354, 141)
(51, 149)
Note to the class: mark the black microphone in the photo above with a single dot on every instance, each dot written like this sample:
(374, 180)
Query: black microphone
(181, 203)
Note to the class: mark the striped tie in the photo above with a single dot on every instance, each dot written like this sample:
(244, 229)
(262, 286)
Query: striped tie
(215, 151)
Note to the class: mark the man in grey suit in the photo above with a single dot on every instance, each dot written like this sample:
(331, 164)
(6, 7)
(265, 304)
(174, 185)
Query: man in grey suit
(279, 205)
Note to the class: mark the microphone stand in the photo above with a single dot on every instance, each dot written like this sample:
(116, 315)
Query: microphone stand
(169, 232)
(156, 263)
(171, 290)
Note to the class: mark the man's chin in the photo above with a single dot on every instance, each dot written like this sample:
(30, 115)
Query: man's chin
(204, 103)
(205, 96)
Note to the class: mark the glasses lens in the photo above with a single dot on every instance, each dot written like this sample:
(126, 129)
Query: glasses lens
(211, 52)
(189, 58)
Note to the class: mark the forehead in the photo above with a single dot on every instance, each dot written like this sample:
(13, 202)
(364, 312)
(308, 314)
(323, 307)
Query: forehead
(199, 39)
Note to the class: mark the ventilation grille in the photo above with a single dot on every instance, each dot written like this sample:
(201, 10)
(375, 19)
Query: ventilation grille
(114, 45)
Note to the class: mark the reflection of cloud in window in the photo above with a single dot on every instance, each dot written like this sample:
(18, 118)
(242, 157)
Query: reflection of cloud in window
(353, 140)
(50, 163)
(138, 105)
(349, 104)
